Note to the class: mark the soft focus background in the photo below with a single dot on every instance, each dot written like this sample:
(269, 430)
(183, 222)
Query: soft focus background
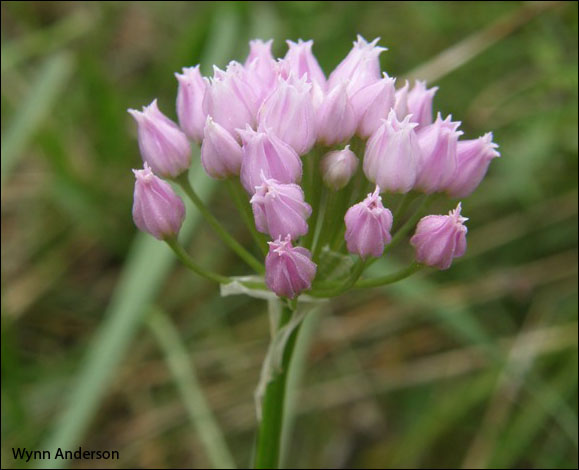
(107, 342)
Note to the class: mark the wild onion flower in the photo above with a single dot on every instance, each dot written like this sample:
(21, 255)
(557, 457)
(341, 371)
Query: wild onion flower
(368, 225)
(338, 167)
(440, 238)
(286, 140)
(289, 269)
(157, 210)
(268, 123)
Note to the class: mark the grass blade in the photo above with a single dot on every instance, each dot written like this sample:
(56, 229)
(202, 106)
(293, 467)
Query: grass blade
(148, 263)
(183, 372)
(41, 98)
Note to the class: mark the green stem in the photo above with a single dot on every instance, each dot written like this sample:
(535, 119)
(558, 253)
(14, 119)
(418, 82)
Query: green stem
(315, 192)
(183, 181)
(407, 199)
(357, 271)
(332, 289)
(188, 261)
(410, 223)
(239, 197)
(321, 224)
(269, 435)
(390, 278)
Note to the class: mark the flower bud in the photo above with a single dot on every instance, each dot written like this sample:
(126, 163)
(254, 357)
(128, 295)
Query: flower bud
(301, 61)
(393, 155)
(438, 142)
(336, 118)
(289, 270)
(162, 144)
(338, 167)
(420, 103)
(264, 152)
(221, 155)
(261, 67)
(231, 99)
(440, 238)
(368, 226)
(361, 67)
(190, 102)
(259, 49)
(157, 210)
(280, 209)
(474, 157)
(401, 102)
(372, 104)
(289, 113)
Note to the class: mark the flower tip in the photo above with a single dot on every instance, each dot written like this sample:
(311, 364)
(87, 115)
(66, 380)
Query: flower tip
(456, 213)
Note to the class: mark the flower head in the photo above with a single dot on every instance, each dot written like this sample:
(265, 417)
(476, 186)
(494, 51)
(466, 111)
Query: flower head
(438, 142)
(190, 97)
(419, 101)
(473, 160)
(264, 152)
(368, 226)
(157, 210)
(279, 209)
(164, 147)
(440, 238)
(393, 155)
(372, 104)
(289, 113)
(360, 68)
(289, 270)
(261, 67)
(338, 167)
(231, 99)
(336, 117)
(221, 154)
(301, 62)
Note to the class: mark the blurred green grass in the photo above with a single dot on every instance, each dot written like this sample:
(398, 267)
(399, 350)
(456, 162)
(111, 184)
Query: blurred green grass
(487, 377)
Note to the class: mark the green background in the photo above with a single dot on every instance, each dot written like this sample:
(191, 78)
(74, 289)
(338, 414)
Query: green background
(475, 366)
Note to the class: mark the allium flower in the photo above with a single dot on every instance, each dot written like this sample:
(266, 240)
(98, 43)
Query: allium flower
(157, 210)
(474, 157)
(163, 145)
(190, 97)
(336, 117)
(257, 119)
(289, 270)
(280, 209)
(338, 167)
(368, 226)
(372, 104)
(393, 155)
(301, 61)
(360, 68)
(289, 113)
(261, 67)
(440, 238)
(221, 155)
(231, 100)
(438, 143)
(264, 152)
(401, 102)
(419, 102)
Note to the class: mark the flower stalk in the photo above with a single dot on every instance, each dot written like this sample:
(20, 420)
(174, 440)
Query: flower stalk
(268, 447)
(183, 182)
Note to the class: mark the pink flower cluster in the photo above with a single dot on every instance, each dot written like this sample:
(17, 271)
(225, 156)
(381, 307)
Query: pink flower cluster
(257, 120)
